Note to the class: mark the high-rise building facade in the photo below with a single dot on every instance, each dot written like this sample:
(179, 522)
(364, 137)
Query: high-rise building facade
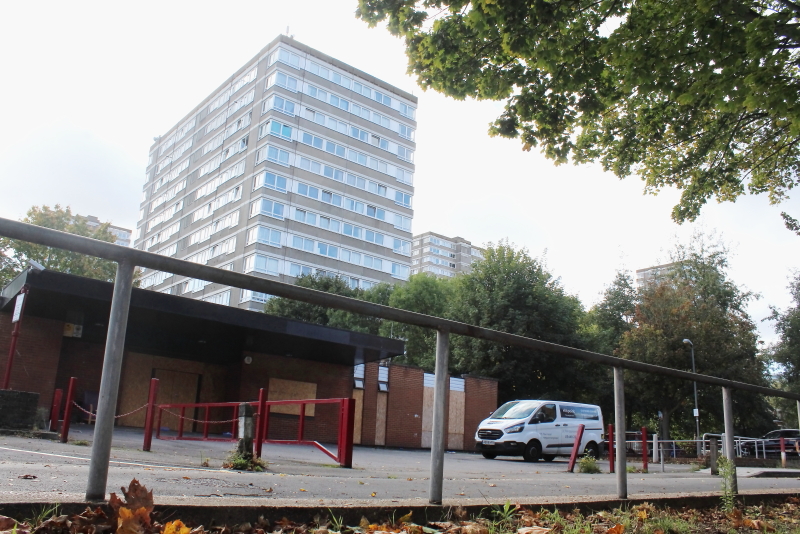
(298, 164)
(123, 235)
(653, 275)
(443, 256)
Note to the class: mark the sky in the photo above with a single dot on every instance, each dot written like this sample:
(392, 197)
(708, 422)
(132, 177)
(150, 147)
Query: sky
(89, 84)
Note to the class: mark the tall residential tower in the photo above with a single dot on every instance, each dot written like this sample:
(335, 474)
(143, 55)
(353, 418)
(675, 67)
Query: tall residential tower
(297, 164)
(443, 256)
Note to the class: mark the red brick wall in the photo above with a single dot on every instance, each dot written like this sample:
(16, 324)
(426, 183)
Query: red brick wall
(36, 361)
(404, 409)
(333, 381)
(370, 414)
(480, 399)
(83, 361)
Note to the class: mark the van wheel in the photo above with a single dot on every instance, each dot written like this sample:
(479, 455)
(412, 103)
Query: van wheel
(532, 452)
(592, 450)
(489, 455)
(548, 457)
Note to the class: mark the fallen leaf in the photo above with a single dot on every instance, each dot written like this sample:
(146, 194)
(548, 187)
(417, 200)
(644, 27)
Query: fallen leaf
(533, 530)
(364, 523)
(301, 489)
(409, 479)
(186, 478)
(492, 485)
(372, 494)
(269, 490)
(406, 518)
(27, 477)
(474, 528)
(642, 515)
(176, 527)
(616, 529)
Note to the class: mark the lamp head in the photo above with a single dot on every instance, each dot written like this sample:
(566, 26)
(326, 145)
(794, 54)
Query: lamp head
(688, 341)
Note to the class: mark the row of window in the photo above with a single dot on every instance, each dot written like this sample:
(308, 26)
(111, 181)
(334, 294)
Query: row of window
(164, 216)
(168, 195)
(297, 62)
(179, 134)
(207, 210)
(223, 97)
(226, 246)
(163, 235)
(294, 85)
(228, 174)
(228, 221)
(214, 163)
(355, 132)
(177, 153)
(167, 178)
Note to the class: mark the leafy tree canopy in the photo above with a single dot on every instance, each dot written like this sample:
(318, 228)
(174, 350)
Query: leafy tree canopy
(702, 96)
(14, 255)
(786, 352)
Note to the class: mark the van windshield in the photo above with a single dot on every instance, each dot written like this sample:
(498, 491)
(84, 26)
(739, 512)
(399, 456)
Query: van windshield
(515, 410)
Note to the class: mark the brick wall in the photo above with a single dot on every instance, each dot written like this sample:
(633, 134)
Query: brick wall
(404, 409)
(480, 401)
(83, 361)
(333, 381)
(38, 350)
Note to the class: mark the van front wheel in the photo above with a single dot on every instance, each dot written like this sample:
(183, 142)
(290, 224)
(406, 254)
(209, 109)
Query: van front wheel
(489, 455)
(548, 457)
(592, 450)
(532, 452)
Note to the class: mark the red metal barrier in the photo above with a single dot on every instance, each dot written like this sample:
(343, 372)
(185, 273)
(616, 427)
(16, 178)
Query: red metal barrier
(344, 453)
(260, 422)
(575, 447)
(610, 448)
(148, 419)
(645, 452)
(68, 409)
(55, 409)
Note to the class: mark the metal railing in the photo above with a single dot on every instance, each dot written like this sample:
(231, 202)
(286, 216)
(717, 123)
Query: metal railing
(128, 259)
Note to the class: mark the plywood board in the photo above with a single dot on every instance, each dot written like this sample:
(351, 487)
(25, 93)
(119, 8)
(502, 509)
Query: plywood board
(427, 417)
(280, 389)
(455, 424)
(358, 395)
(380, 418)
(177, 387)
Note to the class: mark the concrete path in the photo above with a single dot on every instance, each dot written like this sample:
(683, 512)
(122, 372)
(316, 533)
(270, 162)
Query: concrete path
(305, 476)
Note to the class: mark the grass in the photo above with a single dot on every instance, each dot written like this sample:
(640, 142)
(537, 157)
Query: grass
(81, 442)
(588, 464)
(41, 515)
(244, 462)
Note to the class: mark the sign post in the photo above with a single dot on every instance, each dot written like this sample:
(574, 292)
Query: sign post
(16, 318)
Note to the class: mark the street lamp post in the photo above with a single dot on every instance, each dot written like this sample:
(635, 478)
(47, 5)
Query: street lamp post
(696, 410)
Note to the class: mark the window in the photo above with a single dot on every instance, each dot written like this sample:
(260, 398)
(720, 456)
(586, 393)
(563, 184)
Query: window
(400, 271)
(276, 128)
(402, 223)
(350, 256)
(402, 247)
(354, 205)
(267, 207)
(381, 98)
(254, 296)
(239, 103)
(352, 231)
(299, 270)
(270, 181)
(403, 199)
(223, 298)
(305, 217)
(373, 237)
(213, 185)
(373, 263)
(280, 104)
(302, 243)
(330, 224)
(213, 144)
(235, 148)
(244, 80)
(273, 154)
(362, 89)
(307, 190)
(284, 56)
(210, 165)
(405, 131)
(405, 153)
(238, 124)
(261, 264)
(319, 70)
(331, 198)
(377, 213)
(406, 110)
(282, 80)
(220, 100)
(327, 250)
(264, 235)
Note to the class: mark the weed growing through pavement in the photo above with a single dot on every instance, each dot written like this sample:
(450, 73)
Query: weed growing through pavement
(588, 464)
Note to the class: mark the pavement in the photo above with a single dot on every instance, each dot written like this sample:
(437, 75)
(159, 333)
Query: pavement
(38, 470)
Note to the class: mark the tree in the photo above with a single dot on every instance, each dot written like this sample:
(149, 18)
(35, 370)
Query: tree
(607, 321)
(14, 254)
(695, 300)
(313, 313)
(512, 292)
(702, 96)
(423, 293)
(786, 352)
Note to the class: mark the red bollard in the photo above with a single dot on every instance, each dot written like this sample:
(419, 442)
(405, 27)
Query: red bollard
(68, 409)
(301, 425)
(347, 412)
(261, 422)
(148, 420)
(575, 447)
(235, 424)
(610, 448)
(645, 451)
(55, 410)
(205, 424)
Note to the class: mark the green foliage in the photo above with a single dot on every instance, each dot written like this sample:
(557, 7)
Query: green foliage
(694, 299)
(588, 464)
(426, 294)
(727, 472)
(14, 255)
(239, 461)
(512, 292)
(785, 354)
(701, 96)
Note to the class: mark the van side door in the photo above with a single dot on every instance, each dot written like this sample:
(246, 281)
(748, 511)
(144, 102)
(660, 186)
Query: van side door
(549, 431)
(569, 421)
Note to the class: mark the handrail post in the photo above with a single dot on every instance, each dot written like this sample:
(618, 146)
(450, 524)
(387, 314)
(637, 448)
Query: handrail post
(260, 423)
(235, 424)
(12, 350)
(439, 433)
(610, 438)
(109, 381)
(68, 409)
(730, 451)
(301, 425)
(158, 425)
(205, 423)
(619, 421)
(148, 419)
(55, 409)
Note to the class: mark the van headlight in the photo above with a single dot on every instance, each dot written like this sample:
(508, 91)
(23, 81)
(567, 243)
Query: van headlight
(514, 429)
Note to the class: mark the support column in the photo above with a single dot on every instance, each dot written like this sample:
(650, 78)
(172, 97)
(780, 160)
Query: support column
(619, 426)
(109, 382)
(730, 450)
(798, 414)
(439, 403)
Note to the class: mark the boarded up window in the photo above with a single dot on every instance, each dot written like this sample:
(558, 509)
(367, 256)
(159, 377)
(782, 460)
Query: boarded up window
(291, 390)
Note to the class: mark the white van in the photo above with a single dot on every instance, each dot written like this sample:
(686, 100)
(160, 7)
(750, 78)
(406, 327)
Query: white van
(542, 429)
